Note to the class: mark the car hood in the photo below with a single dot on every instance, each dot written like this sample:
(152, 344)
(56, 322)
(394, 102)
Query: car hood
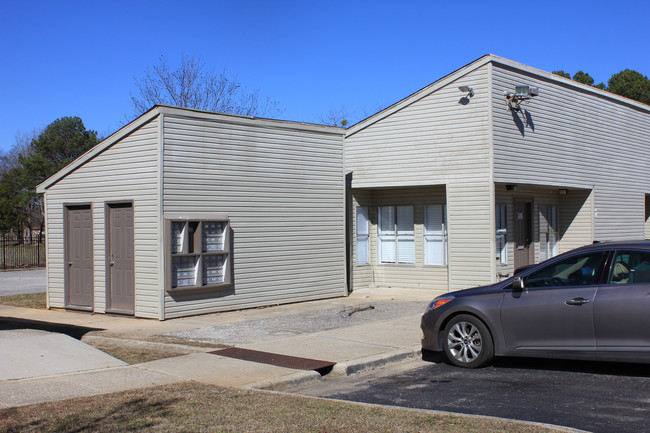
(478, 290)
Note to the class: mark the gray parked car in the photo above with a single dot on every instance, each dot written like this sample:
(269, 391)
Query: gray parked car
(589, 303)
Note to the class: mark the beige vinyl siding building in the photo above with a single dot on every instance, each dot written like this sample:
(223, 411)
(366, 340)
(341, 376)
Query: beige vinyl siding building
(569, 167)
(186, 212)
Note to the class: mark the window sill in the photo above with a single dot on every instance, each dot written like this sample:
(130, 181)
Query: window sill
(194, 289)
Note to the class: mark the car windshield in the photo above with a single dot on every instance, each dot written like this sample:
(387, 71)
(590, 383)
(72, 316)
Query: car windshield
(573, 271)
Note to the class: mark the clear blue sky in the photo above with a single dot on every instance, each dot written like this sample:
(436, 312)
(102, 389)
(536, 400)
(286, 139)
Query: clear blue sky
(79, 58)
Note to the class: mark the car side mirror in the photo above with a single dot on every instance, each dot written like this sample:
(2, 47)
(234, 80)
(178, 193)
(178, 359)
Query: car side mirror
(518, 283)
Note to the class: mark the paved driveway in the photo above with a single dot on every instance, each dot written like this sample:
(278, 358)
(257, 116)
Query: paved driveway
(597, 397)
(20, 282)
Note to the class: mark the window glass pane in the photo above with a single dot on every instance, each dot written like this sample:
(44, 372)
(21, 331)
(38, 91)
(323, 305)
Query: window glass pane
(501, 233)
(178, 236)
(573, 271)
(213, 236)
(405, 220)
(213, 269)
(406, 249)
(387, 249)
(362, 249)
(631, 268)
(184, 271)
(386, 220)
(362, 220)
(433, 219)
(434, 252)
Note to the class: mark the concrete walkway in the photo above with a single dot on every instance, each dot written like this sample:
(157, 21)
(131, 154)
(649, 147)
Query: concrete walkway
(323, 330)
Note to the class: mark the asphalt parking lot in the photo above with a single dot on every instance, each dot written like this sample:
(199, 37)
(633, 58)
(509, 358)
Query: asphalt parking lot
(597, 397)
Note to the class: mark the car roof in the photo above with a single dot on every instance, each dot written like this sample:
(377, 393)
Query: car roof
(615, 245)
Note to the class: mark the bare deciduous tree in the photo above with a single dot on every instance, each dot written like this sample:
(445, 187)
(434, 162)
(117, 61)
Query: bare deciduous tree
(336, 116)
(191, 87)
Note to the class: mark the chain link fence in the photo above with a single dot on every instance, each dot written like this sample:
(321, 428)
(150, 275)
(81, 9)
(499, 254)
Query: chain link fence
(17, 251)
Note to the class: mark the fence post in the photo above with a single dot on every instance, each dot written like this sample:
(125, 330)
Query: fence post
(4, 252)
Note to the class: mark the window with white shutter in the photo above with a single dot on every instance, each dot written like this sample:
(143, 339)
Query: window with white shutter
(548, 236)
(435, 235)
(362, 234)
(396, 234)
(501, 233)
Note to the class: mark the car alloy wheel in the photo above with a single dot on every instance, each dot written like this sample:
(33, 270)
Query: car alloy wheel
(464, 342)
(468, 343)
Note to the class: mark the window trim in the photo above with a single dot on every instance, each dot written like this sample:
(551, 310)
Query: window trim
(197, 252)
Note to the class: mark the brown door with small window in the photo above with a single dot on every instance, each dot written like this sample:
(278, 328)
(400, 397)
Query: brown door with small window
(523, 233)
(121, 279)
(78, 257)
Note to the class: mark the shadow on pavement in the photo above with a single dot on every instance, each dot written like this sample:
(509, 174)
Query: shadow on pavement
(592, 367)
(71, 330)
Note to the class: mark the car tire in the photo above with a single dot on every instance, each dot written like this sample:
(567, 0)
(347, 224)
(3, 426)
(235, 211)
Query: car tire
(467, 342)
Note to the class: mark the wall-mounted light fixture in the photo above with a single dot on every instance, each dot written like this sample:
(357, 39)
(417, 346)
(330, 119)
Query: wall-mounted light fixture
(511, 187)
(522, 93)
(468, 90)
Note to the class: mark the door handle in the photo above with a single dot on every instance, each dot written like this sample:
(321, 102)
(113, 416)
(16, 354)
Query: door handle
(111, 263)
(577, 301)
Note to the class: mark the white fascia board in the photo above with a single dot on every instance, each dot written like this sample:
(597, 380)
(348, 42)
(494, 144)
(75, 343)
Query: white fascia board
(99, 148)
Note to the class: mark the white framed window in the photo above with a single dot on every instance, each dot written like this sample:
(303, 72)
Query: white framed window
(199, 254)
(396, 234)
(548, 232)
(363, 231)
(501, 227)
(435, 234)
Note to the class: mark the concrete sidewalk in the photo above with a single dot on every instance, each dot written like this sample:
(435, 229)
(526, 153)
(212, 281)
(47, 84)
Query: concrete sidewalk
(320, 330)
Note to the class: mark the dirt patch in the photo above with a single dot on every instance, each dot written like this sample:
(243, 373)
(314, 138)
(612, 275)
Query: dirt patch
(197, 407)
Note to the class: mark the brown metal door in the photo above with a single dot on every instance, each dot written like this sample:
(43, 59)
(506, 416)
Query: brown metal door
(79, 257)
(121, 279)
(523, 233)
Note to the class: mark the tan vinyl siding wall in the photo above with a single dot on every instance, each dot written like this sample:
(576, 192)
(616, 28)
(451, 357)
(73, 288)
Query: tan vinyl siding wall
(416, 275)
(126, 171)
(282, 185)
(576, 138)
(438, 141)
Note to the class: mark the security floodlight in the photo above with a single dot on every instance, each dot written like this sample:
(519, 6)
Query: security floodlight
(467, 89)
(522, 93)
(525, 92)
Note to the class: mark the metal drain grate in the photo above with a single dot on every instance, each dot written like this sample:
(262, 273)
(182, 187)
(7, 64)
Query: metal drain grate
(276, 359)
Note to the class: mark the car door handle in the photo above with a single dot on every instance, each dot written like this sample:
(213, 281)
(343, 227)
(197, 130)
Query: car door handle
(577, 301)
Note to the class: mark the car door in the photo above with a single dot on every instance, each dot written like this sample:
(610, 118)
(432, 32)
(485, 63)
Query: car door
(554, 310)
(622, 305)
